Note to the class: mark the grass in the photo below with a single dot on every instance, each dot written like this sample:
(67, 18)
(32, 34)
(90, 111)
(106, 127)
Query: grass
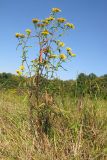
(78, 130)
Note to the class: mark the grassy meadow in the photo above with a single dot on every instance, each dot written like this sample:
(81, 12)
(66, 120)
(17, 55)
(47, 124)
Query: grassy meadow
(77, 129)
(53, 106)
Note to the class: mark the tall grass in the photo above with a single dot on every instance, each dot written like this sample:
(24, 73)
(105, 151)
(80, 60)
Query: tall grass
(77, 130)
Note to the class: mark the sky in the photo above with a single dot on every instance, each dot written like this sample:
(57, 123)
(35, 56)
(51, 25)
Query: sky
(88, 40)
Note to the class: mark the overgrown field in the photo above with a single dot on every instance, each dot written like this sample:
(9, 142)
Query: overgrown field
(77, 131)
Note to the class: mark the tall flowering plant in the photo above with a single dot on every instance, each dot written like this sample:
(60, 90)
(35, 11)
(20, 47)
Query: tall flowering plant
(52, 52)
(51, 55)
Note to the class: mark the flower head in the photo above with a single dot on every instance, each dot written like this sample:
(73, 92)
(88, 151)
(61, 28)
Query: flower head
(73, 55)
(60, 44)
(45, 21)
(22, 67)
(50, 18)
(28, 31)
(19, 35)
(70, 25)
(35, 20)
(45, 32)
(62, 56)
(61, 20)
(19, 72)
(56, 10)
(68, 49)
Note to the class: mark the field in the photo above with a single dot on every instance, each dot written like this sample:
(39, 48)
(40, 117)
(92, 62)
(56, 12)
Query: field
(78, 130)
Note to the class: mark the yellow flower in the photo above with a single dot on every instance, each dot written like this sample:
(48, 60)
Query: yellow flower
(62, 56)
(35, 20)
(61, 20)
(28, 31)
(53, 56)
(50, 18)
(45, 32)
(45, 21)
(18, 35)
(56, 10)
(19, 72)
(70, 25)
(22, 67)
(68, 49)
(61, 44)
(73, 55)
(70, 52)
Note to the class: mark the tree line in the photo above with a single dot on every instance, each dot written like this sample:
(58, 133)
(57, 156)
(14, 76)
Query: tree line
(85, 85)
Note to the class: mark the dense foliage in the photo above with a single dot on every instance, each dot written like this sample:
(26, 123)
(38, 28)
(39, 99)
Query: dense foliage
(84, 85)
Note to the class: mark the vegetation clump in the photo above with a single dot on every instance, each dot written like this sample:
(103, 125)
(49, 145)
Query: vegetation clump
(40, 70)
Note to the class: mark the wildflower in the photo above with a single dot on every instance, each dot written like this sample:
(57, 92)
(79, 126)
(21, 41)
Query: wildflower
(62, 56)
(18, 35)
(61, 44)
(19, 72)
(22, 67)
(28, 31)
(68, 49)
(46, 22)
(53, 56)
(56, 10)
(61, 20)
(73, 55)
(45, 32)
(35, 20)
(50, 18)
(70, 25)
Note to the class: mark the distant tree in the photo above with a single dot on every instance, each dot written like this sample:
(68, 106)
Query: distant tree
(92, 76)
(81, 84)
